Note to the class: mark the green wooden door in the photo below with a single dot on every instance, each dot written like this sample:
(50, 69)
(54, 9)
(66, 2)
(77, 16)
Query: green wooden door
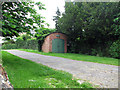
(58, 45)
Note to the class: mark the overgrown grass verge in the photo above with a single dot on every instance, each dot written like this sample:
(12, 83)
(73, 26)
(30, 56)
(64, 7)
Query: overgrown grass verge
(79, 57)
(24, 73)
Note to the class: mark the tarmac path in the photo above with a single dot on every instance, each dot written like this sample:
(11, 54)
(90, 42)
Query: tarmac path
(99, 74)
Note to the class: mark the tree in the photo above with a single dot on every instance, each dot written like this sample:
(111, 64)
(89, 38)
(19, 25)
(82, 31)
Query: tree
(88, 25)
(116, 25)
(72, 22)
(115, 46)
(20, 17)
(56, 18)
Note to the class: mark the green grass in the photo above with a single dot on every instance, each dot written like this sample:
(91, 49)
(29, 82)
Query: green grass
(80, 57)
(0, 57)
(24, 73)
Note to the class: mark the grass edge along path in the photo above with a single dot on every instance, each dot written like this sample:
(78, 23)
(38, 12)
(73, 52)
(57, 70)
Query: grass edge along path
(24, 73)
(79, 57)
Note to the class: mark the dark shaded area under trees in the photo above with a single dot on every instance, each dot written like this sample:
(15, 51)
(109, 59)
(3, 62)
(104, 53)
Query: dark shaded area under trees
(93, 28)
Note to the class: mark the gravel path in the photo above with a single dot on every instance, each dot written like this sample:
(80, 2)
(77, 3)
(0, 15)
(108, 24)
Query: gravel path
(99, 74)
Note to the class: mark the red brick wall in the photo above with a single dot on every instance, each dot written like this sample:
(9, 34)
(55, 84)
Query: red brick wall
(47, 45)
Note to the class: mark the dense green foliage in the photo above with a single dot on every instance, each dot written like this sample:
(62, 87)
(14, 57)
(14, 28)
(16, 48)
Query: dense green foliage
(91, 27)
(27, 74)
(56, 18)
(115, 49)
(79, 57)
(31, 43)
(116, 25)
(9, 46)
(26, 41)
(20, 17)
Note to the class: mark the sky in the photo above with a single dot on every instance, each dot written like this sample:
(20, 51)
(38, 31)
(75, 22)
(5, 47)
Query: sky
(51, 8)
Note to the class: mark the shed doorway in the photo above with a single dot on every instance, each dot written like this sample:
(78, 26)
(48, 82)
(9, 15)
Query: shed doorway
(58, 45)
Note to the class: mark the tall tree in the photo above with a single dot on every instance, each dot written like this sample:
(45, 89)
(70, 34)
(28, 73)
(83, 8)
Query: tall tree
(56, 18)
(88, 25)
(116, 25)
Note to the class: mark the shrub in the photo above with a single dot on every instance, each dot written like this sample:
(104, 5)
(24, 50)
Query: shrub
(20, 42)
(96, 52)
(32, 44)
(115, 49)
(9, 46)
(93, 52)
(27, 44)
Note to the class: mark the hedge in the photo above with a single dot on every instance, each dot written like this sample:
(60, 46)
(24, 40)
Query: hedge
(9, 46)
(22, 44)
(27, 44)
(115, 49)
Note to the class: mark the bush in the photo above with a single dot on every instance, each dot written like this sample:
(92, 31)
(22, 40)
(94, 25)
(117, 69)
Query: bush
(9, 46)
(27, 44)
(115, 49)
(96, 52)
(31, 44)
(93, 52)
(20, 42)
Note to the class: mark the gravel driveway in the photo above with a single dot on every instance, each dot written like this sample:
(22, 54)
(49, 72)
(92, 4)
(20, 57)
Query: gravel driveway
(99, 74)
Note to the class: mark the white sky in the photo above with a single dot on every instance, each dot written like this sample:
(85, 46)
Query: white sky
(51, 8)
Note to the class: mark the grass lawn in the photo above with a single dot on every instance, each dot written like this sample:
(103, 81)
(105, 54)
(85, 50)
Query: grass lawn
(27, 74)
(0, 57)
(80, 57)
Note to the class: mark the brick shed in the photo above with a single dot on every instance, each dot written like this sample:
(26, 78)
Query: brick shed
(55, 42)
